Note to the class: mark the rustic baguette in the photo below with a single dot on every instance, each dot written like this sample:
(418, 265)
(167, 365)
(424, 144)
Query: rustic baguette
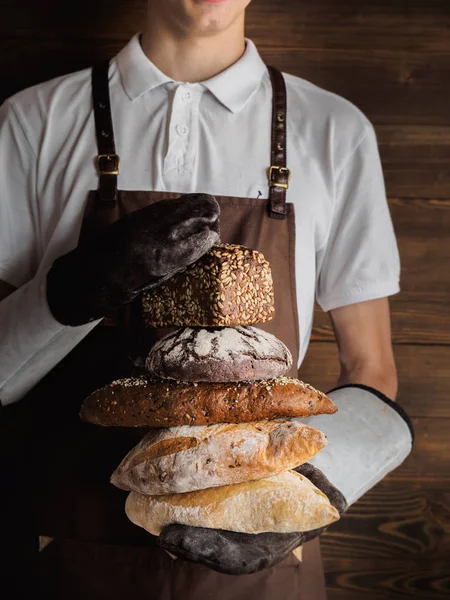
(143, 402)
(284, 503)
(185, 459)
(229, 285)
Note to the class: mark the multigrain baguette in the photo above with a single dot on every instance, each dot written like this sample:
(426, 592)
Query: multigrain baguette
(144, 402)
(229, 285)
(284, 503)
(184, 459)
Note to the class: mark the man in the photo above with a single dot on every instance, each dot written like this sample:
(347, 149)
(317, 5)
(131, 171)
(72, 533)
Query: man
(191, 105)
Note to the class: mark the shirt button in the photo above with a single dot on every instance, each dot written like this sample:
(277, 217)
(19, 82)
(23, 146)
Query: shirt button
(181, 129)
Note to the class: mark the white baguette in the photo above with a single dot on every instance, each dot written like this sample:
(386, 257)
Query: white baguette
(184, 459)
(284, 503)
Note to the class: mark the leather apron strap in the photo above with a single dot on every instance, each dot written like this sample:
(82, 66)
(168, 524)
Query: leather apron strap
(279, 174)
(108, 162)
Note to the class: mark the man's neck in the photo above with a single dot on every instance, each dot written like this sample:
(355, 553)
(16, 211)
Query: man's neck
(192, 59)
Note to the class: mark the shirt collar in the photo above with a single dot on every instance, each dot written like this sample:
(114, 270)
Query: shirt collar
(138, 73)
(232, 87)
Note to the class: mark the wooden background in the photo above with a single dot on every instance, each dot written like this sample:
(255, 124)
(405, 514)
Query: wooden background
(392, 59)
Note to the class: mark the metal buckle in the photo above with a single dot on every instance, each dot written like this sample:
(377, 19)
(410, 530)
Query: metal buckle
(108, 157)
(280, 170)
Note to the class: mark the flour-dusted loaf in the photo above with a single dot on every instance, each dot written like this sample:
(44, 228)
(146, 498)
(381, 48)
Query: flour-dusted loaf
(239, 353)
(145, 402)
(184, 459)
(283, 503)
(229, 285)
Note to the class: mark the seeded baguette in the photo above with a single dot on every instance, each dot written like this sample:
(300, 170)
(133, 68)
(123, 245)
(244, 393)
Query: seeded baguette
(229, 285)
(146, 402)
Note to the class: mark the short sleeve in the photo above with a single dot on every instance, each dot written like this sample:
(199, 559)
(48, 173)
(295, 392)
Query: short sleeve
(18, 218)
(360, 260)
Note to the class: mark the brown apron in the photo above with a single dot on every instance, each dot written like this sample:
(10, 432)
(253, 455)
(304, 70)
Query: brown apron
(96, 552)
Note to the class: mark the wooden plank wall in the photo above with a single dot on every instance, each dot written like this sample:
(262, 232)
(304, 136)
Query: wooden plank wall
(392, 59)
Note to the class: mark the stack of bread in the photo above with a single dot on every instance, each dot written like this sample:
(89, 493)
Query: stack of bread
(225, 435)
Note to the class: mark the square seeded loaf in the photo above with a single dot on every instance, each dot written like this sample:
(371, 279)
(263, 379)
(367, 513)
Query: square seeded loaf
(229, 285)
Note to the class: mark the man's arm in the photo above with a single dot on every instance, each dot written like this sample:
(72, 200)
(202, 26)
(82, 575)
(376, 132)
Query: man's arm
(32, 342)
(363, 334)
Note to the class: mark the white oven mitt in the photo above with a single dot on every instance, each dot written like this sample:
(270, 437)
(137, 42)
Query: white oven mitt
(368, 437)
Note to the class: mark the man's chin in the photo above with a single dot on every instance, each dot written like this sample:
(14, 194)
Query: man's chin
(208, 17)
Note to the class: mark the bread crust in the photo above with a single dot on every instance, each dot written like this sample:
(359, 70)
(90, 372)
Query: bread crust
(284, 503)
(144, 402)
(185, 459)
(229, 285)
(219, 354)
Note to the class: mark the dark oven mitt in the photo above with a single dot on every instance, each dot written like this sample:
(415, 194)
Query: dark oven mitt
(136, 253)
(242, 553)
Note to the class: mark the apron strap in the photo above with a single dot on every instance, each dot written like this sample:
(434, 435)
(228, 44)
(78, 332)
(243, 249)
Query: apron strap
(278, 174)
(108, 163)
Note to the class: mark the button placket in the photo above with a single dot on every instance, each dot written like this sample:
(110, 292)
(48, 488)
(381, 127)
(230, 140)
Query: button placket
(186, 95)
(180, 130)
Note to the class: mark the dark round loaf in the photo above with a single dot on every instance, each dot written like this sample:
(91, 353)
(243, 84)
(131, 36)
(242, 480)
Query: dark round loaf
(241, 353)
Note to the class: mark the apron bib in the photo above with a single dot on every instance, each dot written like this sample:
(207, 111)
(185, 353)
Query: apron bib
(97, 552)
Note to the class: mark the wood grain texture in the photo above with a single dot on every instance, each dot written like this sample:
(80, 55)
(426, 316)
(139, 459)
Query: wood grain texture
(393, 522)
(423, 373)
(346, 594)
(366, 79)
(420, 313)
(416, 160)
(429, 461)
(406, 25)
(102, 19)
(389, 87)
(385, 580)
(394, 540)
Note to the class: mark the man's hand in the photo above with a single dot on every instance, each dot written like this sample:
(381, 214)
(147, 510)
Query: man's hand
(363, 334)
(136, 253)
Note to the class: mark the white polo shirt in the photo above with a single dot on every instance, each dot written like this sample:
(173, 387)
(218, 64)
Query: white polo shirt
(211, 137)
